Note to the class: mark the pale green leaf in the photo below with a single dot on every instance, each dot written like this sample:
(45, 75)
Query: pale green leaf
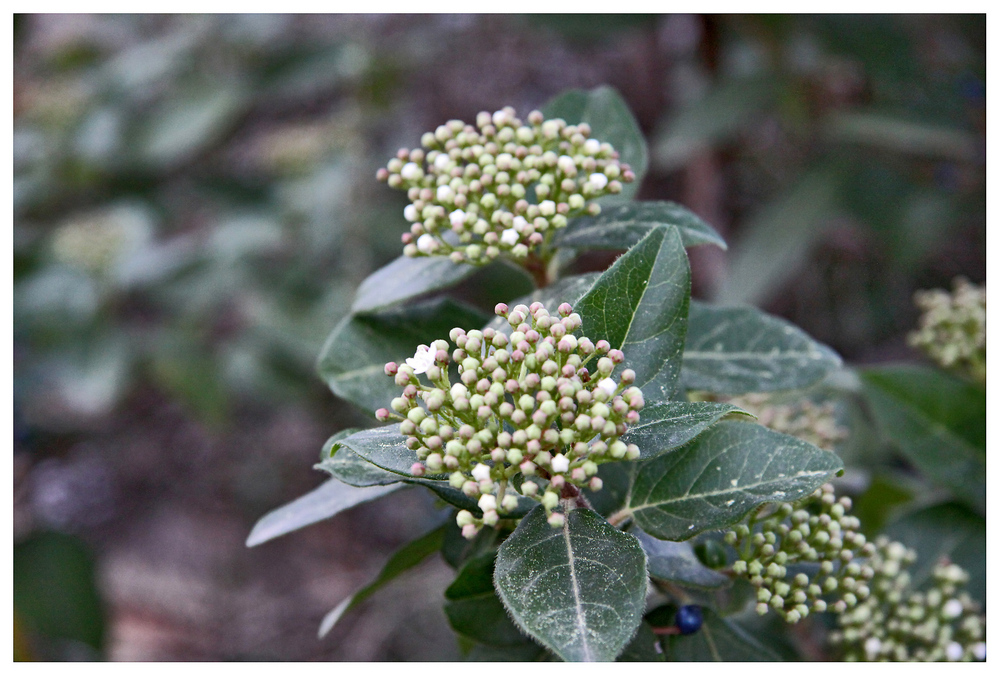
(406, 278)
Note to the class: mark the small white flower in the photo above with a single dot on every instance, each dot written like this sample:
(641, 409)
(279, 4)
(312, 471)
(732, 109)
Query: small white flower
(442, 162)
(520, 223)
(608, 385)
(445, 193)
(481, 472)
(872, 647)
(953, 651)
(598, 180)
(509, 237)
(422, 360)
(547, 208)
(560, 463)
(410, 213)
(457, 217)
(566, 164)
(953, 608)
(500, 117)
(592, 146)
(488, 503)
(411, 171)
(425, 243)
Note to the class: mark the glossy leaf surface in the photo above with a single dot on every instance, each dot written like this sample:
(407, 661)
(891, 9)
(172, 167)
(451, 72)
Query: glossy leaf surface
(622, 226)
(666, 425)
(406, 278)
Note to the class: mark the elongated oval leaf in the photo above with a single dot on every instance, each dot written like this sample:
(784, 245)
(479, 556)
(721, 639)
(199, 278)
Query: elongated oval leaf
(735, 350)
(353, 359)
(622, 226)
(328, 500)
(401, 561)
(677, 562)
(640, 305)
(610, 121)
(348, 466)
(474, 610)
(406, 278)
(666, 425)
(718, 640)
(722, 475)
(939, 424)
(579, 590)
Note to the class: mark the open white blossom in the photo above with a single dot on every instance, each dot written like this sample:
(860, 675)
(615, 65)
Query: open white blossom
(598, 180)
(422, 360)
(425, 243)
(560, 463)
(608, 385)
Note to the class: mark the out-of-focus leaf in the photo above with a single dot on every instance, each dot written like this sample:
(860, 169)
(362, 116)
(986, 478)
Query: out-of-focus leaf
(949, 531)
(623, 226)
(938, 422)
(735, 350)
(610, 121)
(666, 425)
(642, 647)
(352, 361)
(322, 503)
(401, 561)
(897, 134)
(721, 476)
(55, 591)
(677, 562)
(578, 590)
(474, 610)
(640, 305)
(407, 278)
(727, 109)
(718, 640)
(778, 240)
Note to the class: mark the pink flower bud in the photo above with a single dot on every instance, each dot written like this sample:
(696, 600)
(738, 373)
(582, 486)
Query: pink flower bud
(603, 346)
(417, 469)
(565, 309)
(382, 414)
(390, 368)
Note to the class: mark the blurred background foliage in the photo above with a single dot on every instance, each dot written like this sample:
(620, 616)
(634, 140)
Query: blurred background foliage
(195, 204)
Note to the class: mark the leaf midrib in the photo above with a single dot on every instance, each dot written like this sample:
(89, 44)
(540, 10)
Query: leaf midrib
(581, 625)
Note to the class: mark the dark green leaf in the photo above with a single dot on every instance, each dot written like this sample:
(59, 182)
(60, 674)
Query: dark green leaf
(352, 361)
(610, 121)
(529, 651)
(735, 350)
(406, 278)
(676, 562)
(475, 611)
(617, 478)
(718, 640)
(401, 561)
(951, 531)
(328, 500)
(351, 468)
(666, 425)
(722, 475)
(938, 422)
(456, 550)
(578, 590)
(622, 226)
(640, 306)
(642, 647)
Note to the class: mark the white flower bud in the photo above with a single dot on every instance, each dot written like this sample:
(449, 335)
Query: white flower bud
(509, 503)
(591, 146)
(410, 213)
(560, 463)
(457, 217)
(598, 180)
(547, 208)
(481, 472)
(510, 237)
(445, 193)
(464, 518)
(411, 171)
(953, 651)
(979, 651)
(556, 520)
(953, 608)
(608, 385)
(488, 503)
(425, 243)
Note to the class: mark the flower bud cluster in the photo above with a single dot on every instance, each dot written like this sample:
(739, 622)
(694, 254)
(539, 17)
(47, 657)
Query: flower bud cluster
(804, 418)
(501, 186)
(817, 531)
(953, 328)
(535, 412)
(896, 623)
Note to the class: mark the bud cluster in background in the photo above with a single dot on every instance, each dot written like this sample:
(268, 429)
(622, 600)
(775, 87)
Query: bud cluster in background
(953, 328)
(537, 411)
(501, 186)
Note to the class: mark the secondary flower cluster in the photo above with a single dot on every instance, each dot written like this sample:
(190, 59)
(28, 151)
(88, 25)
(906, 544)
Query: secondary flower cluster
(817, 530)
(534, 412)
(880, 616)
(953, 328)
(803, 418)
(898, 624)
(501, 185)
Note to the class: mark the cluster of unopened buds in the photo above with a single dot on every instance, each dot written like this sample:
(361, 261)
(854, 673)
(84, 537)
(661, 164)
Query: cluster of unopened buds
(953, 328)
(803, 418)
(501, 186)
(898, 624)
(880, 616)
(534, 413)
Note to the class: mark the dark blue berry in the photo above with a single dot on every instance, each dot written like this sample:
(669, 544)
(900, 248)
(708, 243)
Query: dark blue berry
(688, 619)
